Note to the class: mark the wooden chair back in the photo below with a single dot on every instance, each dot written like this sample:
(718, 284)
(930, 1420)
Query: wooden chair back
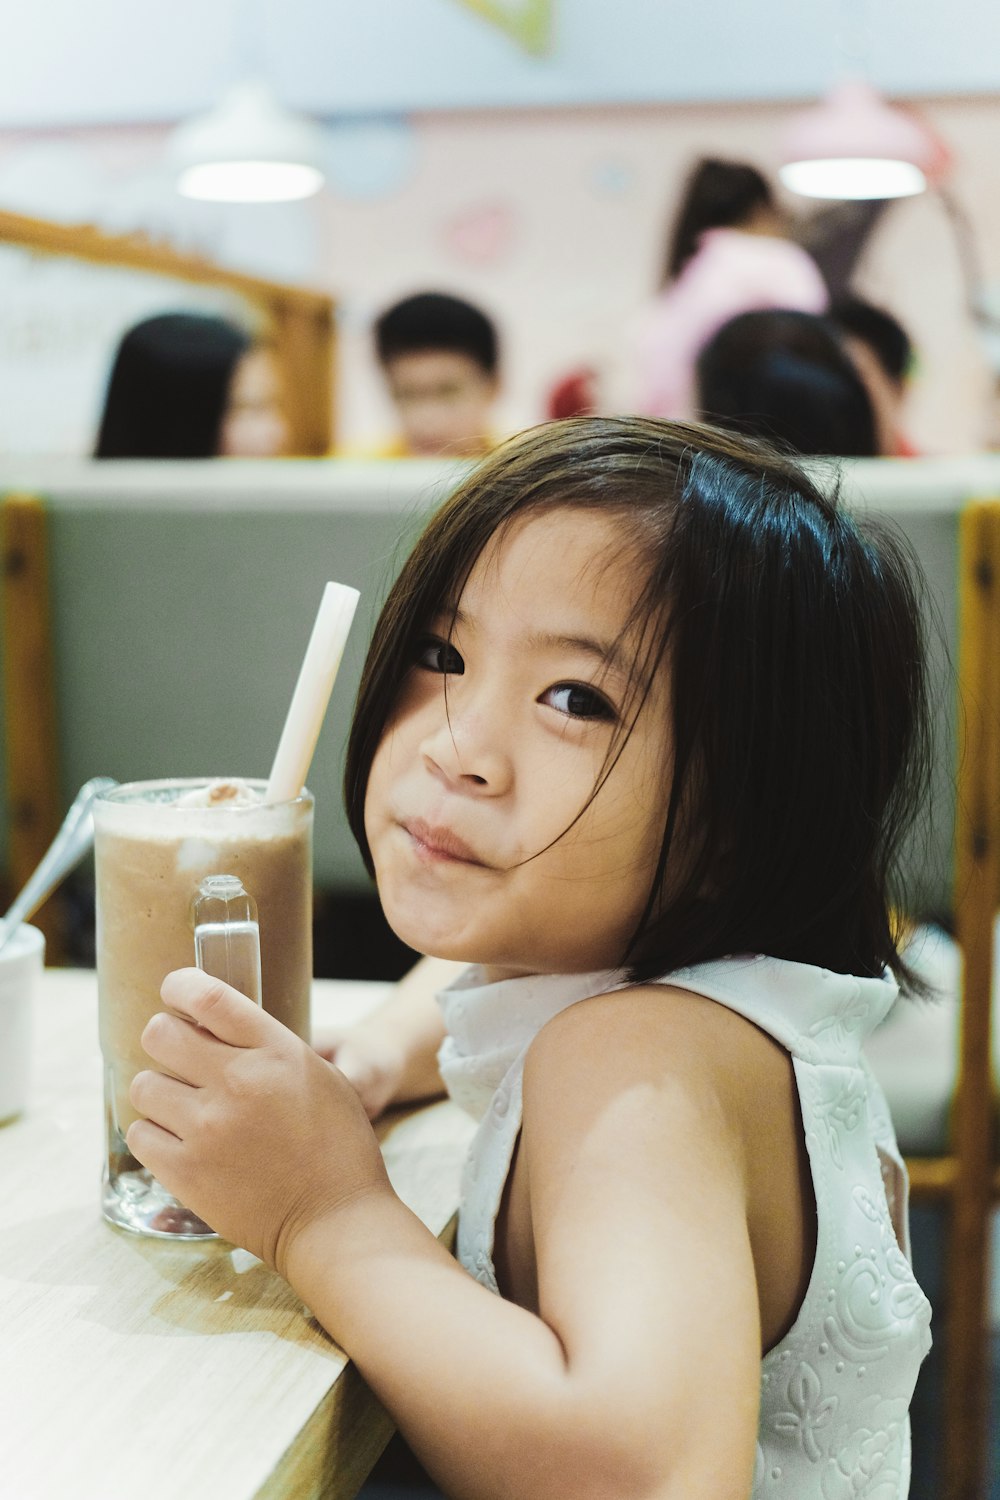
(967, 1177)
(32, 742)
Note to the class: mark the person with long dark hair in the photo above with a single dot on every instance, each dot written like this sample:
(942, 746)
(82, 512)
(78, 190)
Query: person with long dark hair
(190, 385)
(730, 252)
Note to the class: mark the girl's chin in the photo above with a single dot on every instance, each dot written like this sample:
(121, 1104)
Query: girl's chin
(432, 941)
(446, 945)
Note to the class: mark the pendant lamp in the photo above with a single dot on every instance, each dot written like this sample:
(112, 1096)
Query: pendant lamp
(855, 145)
(249, 149)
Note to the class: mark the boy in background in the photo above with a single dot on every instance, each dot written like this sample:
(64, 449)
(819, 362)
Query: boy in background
(439, 356)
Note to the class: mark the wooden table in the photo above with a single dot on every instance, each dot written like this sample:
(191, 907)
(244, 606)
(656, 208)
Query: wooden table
(133, 1367)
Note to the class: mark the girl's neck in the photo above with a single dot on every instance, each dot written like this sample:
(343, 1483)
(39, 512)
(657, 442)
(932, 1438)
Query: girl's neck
(495, 973)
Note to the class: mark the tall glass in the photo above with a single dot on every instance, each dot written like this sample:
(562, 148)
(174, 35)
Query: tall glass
(151, 854)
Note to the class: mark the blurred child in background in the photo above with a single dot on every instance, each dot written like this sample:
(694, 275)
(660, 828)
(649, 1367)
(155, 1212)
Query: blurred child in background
(787, 377)
(440, 360)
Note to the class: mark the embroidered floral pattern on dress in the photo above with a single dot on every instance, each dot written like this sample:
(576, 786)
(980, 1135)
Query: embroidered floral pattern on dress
(810, 1411)
(862, 1324)
(840, 1106)
(845, 1025)
(867, 1460)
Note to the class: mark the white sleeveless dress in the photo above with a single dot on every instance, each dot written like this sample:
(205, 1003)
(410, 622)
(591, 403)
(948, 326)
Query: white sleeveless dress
(835, 1391)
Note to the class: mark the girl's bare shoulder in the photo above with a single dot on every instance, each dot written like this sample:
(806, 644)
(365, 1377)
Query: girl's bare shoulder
(658, 1052)
(658, 1030)
(686, 1092)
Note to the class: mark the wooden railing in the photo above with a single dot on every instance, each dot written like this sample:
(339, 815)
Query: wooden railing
(299, 323)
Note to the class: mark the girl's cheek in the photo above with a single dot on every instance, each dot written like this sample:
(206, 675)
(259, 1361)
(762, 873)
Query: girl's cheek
(376, 788)
(415, 690)
(391, 756)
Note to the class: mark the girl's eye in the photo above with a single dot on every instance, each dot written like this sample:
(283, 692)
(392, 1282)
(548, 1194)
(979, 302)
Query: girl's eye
(579, 702)
(435, 655)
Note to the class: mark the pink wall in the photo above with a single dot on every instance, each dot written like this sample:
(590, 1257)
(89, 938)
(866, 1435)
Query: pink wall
(572, 211)
(554, 220)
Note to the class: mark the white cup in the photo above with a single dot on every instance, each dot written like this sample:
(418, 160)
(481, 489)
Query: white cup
(20, 969)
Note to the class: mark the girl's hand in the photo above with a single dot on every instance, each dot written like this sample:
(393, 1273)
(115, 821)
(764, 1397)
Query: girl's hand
(245, 1123)
(373, 1064)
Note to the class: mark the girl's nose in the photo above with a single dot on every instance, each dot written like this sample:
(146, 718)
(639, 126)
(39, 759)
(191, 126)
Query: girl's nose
(466, 751)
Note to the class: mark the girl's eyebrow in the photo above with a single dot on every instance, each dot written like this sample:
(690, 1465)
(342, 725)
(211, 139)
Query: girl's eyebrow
(608, 653)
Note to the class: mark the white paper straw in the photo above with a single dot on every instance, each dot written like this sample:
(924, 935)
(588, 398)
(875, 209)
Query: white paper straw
(312, 693)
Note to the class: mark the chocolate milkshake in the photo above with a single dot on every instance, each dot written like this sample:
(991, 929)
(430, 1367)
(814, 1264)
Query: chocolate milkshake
(154, 843)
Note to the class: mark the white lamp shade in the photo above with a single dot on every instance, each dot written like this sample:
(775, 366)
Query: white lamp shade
(247, 150)
(855, 145)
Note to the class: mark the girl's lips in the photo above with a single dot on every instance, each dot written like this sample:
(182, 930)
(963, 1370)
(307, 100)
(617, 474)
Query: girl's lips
(439, 843)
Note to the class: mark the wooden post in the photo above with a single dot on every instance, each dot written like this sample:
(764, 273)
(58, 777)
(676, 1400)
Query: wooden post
(33, 798)
(977, 897)
(304, 339)
(300, 321)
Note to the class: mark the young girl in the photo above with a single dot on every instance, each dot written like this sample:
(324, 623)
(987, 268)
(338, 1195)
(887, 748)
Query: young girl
(639, 731)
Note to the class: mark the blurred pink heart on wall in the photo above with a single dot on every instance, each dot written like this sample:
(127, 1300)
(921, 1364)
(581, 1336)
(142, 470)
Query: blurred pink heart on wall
(482, 235)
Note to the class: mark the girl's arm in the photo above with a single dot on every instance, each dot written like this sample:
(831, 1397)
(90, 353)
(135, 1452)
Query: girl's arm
(391, 1056)
(637, 1375)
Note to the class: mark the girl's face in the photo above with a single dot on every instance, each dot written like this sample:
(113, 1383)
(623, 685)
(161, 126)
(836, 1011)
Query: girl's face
(465, 799)
(253, 424)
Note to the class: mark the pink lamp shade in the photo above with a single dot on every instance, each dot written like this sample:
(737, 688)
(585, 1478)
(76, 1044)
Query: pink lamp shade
(855, 145)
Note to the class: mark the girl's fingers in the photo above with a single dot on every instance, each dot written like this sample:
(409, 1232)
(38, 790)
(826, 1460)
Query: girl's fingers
(181, 1047)
(157, 1149)
(217, 1008)
(166, 1103)
(327, 1039)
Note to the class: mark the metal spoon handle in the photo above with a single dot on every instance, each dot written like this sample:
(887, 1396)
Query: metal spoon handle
(70, 844)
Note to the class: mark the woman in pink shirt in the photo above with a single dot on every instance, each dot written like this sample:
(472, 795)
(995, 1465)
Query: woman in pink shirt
(729, 254)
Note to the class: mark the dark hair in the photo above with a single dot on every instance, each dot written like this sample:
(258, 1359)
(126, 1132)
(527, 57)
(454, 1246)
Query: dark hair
(799, 705)
(169, 386)
(884, 335)
(786, 377)
(433, 320)
(717, 195)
